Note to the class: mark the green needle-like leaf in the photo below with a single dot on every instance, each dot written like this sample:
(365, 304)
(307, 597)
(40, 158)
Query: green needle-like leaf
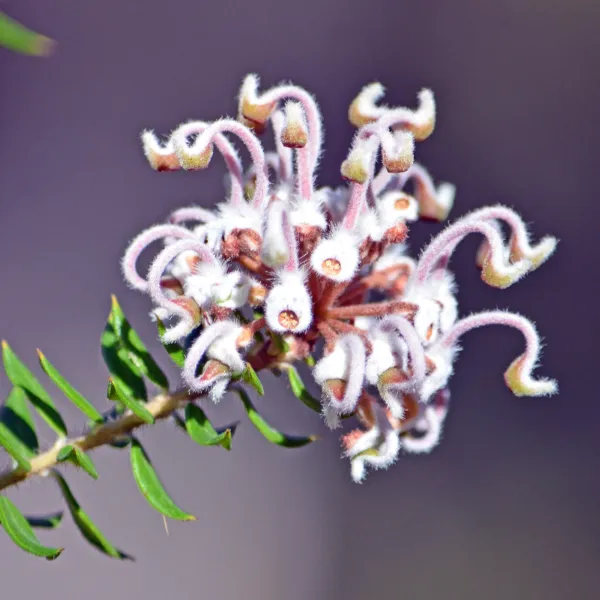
(151, 487)
(201, 430)
(175, 351)
(20, 532)
(68, 390)
(271, 434)
(249, 376)
(19, 38)
(136, 407)
(299, 390)
(137, 351)
(86, 526)
(79, 458)
(8, 442)
(46, 522)
(21, 376)
(17, 425)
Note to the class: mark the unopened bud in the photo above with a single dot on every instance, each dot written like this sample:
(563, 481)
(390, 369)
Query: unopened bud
(160, 158)
(294, 134)
(363, 109)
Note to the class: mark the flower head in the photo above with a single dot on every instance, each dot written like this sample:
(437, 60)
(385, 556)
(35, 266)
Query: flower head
(282, 268)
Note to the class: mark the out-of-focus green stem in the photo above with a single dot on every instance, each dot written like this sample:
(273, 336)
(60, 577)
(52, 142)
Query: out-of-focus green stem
(18, 38)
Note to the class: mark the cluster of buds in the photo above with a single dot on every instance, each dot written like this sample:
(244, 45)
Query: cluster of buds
(282, 270)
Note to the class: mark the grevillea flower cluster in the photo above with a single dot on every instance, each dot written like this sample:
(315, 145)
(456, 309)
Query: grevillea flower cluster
(283, 270)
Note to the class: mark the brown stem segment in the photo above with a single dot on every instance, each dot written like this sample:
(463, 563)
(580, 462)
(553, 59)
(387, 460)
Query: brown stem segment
(377, 309)
(160, 407)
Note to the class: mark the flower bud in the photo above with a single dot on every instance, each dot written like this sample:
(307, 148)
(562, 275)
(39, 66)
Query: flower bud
(254, 113)
(160, 158)
(363, 109)
(398, 151)
(295, 133)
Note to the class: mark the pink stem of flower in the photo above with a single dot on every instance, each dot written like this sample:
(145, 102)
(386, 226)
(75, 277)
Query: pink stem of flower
(210, 134)
(156, 290)
(199, 349)
(415, 349)
(313, 118)
(358, 192)
(140, 243)
(304, 174)
(191, 213)
(285, 164)
(292, 263)
(229, 154)
(355, 350)
(443, 245)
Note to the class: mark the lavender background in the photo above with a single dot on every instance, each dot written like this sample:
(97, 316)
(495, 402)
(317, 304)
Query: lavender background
(507, 507)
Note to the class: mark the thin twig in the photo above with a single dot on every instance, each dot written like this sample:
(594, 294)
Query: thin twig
(160, 407)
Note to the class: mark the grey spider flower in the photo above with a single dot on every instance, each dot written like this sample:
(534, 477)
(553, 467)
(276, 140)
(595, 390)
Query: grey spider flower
(282, 268)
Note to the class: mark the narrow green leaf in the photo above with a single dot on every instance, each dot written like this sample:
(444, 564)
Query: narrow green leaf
(11, 444)
(68, 390)
(46, 522)
(120, 366)
(299, 390)
(86, 463)
(150, 485)
(64, 453)
(271, 434)
(201, 430)
(20, 532)
(310, 360)
(280, 344)
(17, 425)
(86, 526)
(137, 408)
(175, 351)
(251, 378)
(131, 341)
(21, 376)
(18, 38)
(79, 458)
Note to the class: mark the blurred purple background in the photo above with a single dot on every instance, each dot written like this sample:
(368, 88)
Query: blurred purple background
(508, 505)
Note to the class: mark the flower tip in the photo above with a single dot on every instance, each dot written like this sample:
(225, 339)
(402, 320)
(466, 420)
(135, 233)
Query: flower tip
(505, 276)
(362, 108)
(520, 382)
(191, 159)
(538, 254)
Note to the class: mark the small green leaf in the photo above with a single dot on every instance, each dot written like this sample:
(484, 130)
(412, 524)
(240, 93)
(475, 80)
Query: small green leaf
(119, 361)
(175, 351)
(251, 378)
(46, 522)
(150, 485)
(271, 434)
(280, 344)
(200, 429)
(79, 458)
(14, 447)
(21, 376)
(86, 526)
(68, 390)
(17, 425)
(299, 390)
(310, 360)
(132, 343)
(19, 38)
(20, 532)
(137, 408)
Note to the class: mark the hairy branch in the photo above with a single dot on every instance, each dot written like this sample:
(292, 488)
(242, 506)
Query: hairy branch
(160, 407)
